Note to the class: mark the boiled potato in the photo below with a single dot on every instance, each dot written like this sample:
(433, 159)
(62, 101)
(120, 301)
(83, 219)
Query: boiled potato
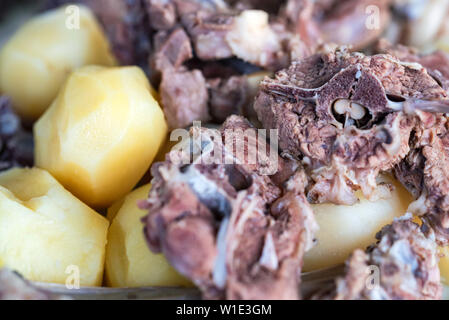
(101, 133)
(444, 265)
(129, 261)
(38, 58)
(346, 228)
(46, 233)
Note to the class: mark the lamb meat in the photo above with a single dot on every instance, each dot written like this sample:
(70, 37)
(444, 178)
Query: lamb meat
(421, 171)
(172, 50)
(347, 117)
(161, 14)
(247, 35)
(403, 265)
(184, 97)
(201, 212)
(227, 96)
(436, 62)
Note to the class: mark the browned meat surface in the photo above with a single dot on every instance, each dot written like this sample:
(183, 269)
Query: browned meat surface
(200, 216)
(347, 117)
(402, 265)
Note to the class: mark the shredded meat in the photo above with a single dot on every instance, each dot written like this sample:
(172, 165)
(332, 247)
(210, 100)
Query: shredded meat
(422, 170)
(347, 117)
(403, 265)
(200, 215)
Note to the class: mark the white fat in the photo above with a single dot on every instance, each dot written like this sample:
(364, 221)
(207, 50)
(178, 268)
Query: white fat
(252, 38)
(269, 258)
(198, 182)
(395, 147)
(412, 65)
(395, 106)
(219, 274)
(406, 216)
(419, 207)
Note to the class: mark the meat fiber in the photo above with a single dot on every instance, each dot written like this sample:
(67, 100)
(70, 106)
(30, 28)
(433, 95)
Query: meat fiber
(422, 170)
(403, 265)
(347, 117)
(204, 203)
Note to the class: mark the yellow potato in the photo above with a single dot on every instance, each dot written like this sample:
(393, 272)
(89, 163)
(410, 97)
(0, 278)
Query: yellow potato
(346, 228)
(38, 58)
(444, 265)
(101, 133)
(46, 233)
(129, 261)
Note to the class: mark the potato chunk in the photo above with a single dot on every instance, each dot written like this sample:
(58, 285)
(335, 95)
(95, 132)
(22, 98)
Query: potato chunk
(346, 228)
(35, 62)
(101, 133)
(444, 265)
(46, 233)
(129, 261)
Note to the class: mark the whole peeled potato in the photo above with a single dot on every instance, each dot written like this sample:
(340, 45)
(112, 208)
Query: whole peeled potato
(129, 261)
(101, 133)
(38, 58)
(47, 234)
(346, 228)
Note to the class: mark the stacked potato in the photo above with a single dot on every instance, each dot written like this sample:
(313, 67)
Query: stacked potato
(98, 130)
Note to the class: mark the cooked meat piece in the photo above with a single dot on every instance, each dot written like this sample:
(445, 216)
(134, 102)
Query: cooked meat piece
(246, 35)
(172, 49)
(423, 172)
(403, 265)
(347, 116)
(161, 14)
(184, 97)
(14, 287)
(16, 144)
(436, 62)
(208, 31)
(352, 22)
(227, 97)
(201, 212)
(253, 39)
